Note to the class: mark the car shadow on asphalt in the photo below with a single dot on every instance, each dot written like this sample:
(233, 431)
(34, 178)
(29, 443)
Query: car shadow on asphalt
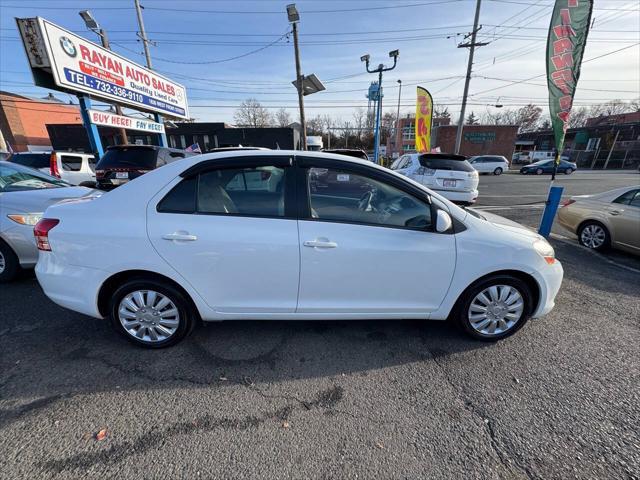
(50, 353)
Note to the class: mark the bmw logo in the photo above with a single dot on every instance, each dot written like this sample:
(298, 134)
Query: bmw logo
(68, 46)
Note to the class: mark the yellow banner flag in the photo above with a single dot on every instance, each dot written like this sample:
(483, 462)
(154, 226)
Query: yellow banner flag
(424, 115)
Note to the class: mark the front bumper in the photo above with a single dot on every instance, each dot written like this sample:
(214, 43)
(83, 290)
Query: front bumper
(549, 280)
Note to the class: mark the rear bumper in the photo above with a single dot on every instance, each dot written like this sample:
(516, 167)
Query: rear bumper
(20, 239)
(70, 286)
(549, 280)
(456, 196)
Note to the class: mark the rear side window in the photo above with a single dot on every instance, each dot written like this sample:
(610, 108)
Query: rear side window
(255, 191)
(71, 163)
(33, 160)
(626, 198)
(635, 201)
(446, 164)
(138, 158)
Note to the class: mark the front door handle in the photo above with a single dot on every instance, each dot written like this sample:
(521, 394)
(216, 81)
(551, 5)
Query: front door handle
(180, 237)
(320, 244)
(615, 212)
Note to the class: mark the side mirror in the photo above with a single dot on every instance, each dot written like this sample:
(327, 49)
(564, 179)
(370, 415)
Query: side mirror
(443, 221)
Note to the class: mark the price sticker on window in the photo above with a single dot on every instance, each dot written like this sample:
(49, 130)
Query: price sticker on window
(343, 177)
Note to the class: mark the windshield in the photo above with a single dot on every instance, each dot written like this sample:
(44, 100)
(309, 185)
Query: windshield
(139, 158)
(33, 160)
(15, 179)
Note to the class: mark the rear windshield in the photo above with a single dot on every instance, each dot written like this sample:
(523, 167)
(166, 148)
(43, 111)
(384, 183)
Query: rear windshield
(33, 160)
(446, 164)
(140, 158)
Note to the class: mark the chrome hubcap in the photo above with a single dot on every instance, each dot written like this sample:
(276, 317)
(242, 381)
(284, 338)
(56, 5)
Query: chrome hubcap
(2, 262)
(148, 316)
(593, 236)
(496, 310)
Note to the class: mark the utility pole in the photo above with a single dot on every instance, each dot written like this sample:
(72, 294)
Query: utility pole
(145, 43)
(299, 86)
(471, 45)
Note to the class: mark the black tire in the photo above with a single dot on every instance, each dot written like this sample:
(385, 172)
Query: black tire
(187, 319)
(539, 171)
(460, 311)
(585, 243)
(497, 171)
(568, 171)
(11, 263)
(88, 184)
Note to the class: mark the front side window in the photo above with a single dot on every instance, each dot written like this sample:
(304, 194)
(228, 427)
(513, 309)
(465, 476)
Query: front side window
(342, 196)
(635, 201)
(627, 197)
(253, 191)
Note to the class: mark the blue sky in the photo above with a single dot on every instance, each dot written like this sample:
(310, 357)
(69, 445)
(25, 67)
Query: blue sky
(334, 34)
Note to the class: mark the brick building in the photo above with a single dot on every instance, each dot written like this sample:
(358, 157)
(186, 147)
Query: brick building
(477, 139)
(23, 120)
(404, 138)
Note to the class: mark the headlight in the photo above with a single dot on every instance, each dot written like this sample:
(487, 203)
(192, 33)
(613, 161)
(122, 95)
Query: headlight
(545, 251)
(25, 218)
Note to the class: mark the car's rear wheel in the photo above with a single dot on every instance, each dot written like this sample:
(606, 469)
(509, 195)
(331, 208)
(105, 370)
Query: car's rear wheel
(9, 263)
(594, 235)
(494, 308)
(498, 171)
(150, 313)
(568, 171)
(539, 171)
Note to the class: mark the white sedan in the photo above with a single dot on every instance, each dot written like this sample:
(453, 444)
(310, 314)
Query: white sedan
(495, 164)
(335, 238)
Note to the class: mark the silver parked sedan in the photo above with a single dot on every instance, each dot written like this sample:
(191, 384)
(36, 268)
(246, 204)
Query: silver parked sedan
(609, 219)
(24, 194)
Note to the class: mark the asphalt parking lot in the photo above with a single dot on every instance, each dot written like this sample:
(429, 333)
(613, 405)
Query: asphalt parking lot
(378, 399)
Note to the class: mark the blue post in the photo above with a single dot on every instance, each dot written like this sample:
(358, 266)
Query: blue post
(92, 130)
(550, 209)
(163, 136)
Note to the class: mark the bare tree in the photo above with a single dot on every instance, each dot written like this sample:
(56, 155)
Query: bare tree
(283, 118)
(252, 114)
(614, 107)
(441, 112)
(528, 117)
(359, 119)
(315, 125)
(578, 117)
(388, 122)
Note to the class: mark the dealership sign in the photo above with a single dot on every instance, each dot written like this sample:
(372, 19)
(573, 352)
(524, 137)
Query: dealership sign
(81, 66)
(108, 119)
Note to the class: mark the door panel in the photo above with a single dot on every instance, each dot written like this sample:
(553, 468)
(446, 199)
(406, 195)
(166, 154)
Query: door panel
(372, 269)
(625, 220)
(237, 264)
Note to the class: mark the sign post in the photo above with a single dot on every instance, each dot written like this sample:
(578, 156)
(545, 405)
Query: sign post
(565, 48)
(92, 129)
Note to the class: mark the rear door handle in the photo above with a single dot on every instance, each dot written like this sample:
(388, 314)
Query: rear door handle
(180, 237)
(319, 244)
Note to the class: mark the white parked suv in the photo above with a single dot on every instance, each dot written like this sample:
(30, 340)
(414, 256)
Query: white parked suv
(449, 175)
(74, 168)
(334, 238)
(495, 164)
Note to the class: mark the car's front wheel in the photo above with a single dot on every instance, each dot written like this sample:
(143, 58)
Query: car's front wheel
(594, 235)
(150, 313)
(9, 263)
(494, 308)
(497, 171)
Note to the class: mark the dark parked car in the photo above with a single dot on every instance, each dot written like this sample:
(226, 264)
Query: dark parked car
(122, 163)
(350, 152)
(546, 166)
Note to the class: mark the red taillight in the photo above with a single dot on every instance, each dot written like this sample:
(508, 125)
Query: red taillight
(566, 203)
(41, 232)
(99, 173)
(53, 165)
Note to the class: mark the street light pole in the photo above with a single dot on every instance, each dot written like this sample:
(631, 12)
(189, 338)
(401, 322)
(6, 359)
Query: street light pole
(398, 113)
(381, 68)
(294, 18)
(471, 45)
(92, 25)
